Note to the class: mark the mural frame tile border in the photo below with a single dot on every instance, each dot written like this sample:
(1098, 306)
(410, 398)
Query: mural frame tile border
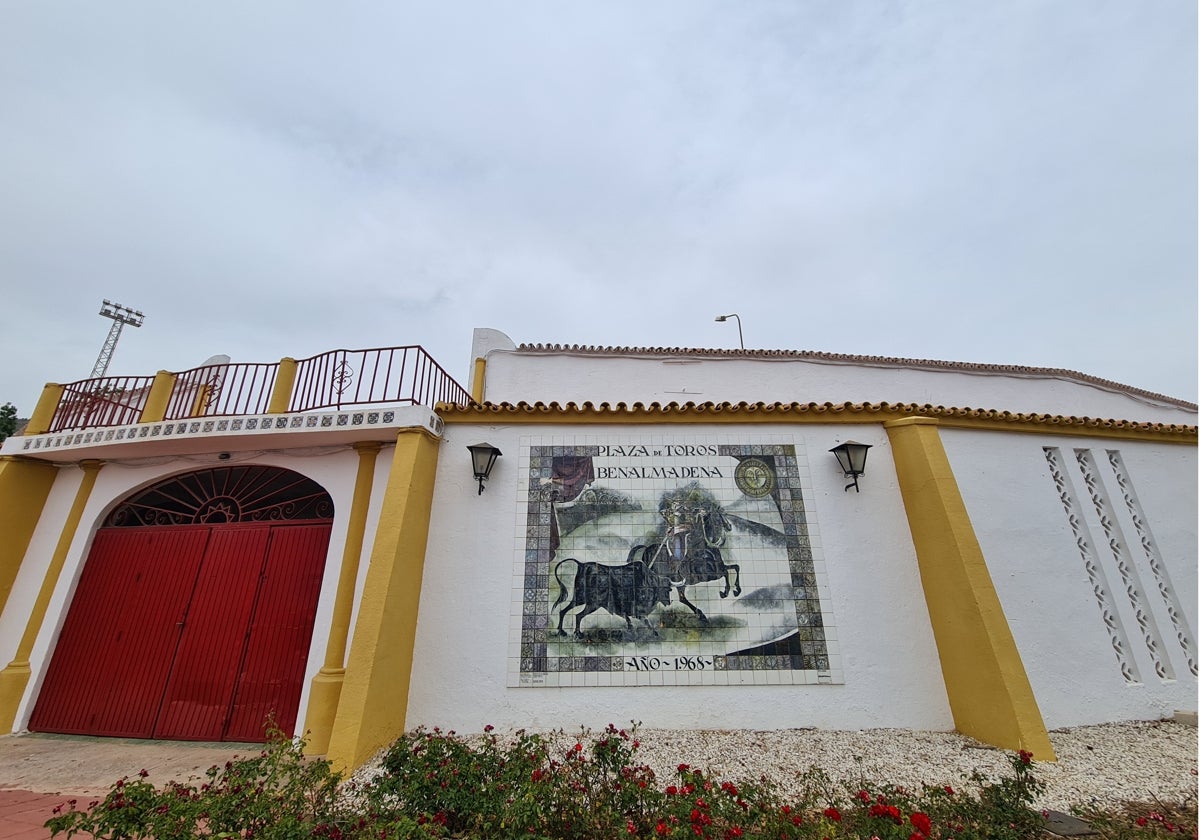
(669, 560)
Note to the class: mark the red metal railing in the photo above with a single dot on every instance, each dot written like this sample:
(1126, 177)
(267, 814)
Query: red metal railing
(218, 390)
(339, 378)
(107, 401)
(406, 375)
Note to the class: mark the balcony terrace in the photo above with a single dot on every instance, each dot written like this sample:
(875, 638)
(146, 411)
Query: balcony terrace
(339, 396)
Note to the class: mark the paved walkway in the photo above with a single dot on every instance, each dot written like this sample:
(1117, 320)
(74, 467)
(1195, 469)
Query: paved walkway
(38, 772)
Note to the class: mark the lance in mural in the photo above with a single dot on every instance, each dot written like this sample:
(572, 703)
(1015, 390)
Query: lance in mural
(668, 563)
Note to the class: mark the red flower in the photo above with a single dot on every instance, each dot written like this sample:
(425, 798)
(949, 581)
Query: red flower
(1026, 756)
(921, 822)
(863, 796)
(661, 828)
(833, 814)
(579, 748)
(949, 790)
(672, 790)
(630, 827)
(683, 768)
(488, 728)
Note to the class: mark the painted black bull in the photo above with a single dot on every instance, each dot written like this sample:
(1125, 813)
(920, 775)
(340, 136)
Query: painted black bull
(699, 564)
(628, 591)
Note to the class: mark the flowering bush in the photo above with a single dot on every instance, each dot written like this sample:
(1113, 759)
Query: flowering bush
(434, 784)
(276, 794)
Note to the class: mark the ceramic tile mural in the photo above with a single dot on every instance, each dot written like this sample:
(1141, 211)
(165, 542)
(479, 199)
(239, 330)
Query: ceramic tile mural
(668, 560)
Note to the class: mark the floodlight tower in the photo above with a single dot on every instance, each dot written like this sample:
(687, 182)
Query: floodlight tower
(121, 315)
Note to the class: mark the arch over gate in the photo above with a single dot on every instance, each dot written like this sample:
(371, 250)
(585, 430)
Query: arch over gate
(194, 611)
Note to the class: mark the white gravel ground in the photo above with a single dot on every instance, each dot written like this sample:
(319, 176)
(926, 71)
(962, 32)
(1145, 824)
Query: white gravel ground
(1105, 764)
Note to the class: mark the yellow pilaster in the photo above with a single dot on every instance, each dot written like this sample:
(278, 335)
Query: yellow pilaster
(285, 380)
(159, 397)
(327, 684)
(477, 379)
(43, 412)
(15, 677)
(24, 487)
(986, 684)
(201, 401)
(374, 698)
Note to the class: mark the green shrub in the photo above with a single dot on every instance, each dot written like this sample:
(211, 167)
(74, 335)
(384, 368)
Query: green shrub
(434, 785)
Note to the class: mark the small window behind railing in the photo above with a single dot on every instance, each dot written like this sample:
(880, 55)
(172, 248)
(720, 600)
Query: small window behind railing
(224, 389)
(107, 401)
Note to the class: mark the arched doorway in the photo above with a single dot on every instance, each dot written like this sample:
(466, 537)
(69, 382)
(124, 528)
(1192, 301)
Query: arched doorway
(194, 611)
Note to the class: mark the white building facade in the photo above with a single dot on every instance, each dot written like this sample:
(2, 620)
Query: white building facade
(1020, 554)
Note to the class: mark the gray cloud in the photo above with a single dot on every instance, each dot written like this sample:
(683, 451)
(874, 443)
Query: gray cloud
(1013, 183)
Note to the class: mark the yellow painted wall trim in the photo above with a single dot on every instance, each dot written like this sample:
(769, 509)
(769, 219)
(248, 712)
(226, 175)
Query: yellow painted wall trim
(43, 412)
(826, 413)
(14, 679)
(986, 684)
(327, 684)
(285, 380)
(374, 696)
(24, 488)
(477, 377)
(159, 397)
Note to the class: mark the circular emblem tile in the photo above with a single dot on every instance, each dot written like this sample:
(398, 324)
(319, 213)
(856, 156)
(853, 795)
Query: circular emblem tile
(754, 478)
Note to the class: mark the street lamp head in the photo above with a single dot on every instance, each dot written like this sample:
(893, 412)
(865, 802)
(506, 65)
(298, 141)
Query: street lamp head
(738, 318)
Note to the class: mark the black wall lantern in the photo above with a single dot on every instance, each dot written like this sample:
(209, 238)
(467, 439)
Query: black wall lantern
(483, 458)
(852, 456)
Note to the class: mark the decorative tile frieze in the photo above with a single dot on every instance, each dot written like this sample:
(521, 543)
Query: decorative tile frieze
(222, 427)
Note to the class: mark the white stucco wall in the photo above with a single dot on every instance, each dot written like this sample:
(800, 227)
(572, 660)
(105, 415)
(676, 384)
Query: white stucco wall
(566, 377)
(333, 469)
(1043, 584)
(892, 677)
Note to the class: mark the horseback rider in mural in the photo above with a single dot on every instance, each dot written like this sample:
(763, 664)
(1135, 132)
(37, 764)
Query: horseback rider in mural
(689, 550)
(680, 522)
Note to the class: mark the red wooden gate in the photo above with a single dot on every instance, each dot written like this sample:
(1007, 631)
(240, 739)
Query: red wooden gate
(192, 633)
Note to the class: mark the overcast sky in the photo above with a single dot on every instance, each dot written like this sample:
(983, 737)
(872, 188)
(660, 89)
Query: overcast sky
(1001, 182)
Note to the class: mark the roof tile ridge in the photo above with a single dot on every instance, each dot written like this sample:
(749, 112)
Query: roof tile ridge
(926, 409)
(944, 364)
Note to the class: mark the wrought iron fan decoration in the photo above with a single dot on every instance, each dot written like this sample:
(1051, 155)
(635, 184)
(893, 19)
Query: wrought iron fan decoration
(225, 495)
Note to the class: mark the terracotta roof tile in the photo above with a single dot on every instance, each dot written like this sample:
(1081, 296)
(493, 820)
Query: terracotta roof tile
(868, 412)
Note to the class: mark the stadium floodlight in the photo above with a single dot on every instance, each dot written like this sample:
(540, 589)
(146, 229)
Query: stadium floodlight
(121, 315)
